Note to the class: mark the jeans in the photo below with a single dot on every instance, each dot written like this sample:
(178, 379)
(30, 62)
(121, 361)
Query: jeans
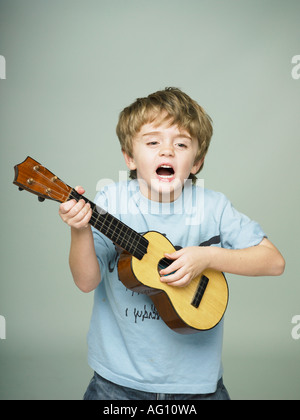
(102, 389)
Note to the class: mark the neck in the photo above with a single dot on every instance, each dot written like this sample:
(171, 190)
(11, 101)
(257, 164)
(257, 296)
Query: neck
(114, 229)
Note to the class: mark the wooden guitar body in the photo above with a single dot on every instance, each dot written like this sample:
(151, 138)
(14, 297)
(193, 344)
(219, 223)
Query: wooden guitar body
(178, 306)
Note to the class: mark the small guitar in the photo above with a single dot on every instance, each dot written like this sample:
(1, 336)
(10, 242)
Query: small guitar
(198, 306)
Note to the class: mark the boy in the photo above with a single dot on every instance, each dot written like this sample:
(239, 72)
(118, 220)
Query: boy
(164, 139)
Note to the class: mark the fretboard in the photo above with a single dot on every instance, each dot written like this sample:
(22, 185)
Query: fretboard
(114, 229)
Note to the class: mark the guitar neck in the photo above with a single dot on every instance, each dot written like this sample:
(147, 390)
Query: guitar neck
(119, 233)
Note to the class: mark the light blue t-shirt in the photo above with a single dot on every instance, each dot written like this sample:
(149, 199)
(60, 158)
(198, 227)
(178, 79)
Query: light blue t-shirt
(128, 343)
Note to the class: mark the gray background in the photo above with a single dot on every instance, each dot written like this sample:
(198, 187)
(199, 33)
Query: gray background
(71, 67)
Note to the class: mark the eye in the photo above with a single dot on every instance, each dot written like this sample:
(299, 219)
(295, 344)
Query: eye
(152, 143)
(181, 145)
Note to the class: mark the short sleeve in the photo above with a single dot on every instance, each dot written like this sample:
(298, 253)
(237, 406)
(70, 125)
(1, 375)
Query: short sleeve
(237, 231)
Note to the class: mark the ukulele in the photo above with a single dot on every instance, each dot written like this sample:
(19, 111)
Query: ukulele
(196, 307)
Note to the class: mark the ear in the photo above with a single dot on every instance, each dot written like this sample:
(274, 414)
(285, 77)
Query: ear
(129, 161)
(197, 166)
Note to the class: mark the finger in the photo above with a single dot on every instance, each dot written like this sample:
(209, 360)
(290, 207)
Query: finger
(174, 255)
(66, 207)
(74, 211)
(80, 189)
(182, 282)
(81, 220)
(171, 268)
(173, 276)
(85, 221)
(79, 211)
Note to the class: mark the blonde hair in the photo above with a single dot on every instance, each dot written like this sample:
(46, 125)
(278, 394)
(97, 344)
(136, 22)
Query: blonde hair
(169, 105)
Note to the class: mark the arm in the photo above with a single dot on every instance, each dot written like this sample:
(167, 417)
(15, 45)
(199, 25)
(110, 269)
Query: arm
(260, 260)
(82, 259)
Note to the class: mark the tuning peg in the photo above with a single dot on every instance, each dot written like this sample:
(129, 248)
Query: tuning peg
(41, 199)
(21, 189)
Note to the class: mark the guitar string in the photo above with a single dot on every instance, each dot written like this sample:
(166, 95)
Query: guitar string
(53, 182)
(117, 230)
(137, 238)
(136, 244)
(49, 193)
(114, 230)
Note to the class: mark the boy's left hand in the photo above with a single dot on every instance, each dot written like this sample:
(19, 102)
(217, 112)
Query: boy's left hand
(263, 259)
(188, 263)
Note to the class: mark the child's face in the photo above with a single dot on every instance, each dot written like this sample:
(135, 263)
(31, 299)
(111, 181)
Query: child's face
(164, 157)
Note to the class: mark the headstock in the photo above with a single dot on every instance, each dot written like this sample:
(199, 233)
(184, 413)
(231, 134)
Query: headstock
(35, 178)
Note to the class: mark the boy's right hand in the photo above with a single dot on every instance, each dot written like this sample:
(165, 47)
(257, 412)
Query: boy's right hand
(76, 214)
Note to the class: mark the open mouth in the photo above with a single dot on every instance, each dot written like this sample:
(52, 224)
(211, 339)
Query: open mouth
(165, 172)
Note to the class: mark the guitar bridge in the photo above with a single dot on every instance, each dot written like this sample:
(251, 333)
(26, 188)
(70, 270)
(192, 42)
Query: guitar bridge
(200, 291)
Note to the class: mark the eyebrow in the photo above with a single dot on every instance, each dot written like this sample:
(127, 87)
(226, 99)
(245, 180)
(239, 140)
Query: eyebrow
(180, 135)
(151, 133)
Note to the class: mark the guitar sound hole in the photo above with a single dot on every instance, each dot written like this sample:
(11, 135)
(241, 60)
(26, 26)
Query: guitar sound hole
(164, 263)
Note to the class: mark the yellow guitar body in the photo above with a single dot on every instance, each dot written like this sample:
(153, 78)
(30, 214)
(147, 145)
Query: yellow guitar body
(179, 307)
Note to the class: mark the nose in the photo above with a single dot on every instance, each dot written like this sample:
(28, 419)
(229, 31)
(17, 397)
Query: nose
(166, 150)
